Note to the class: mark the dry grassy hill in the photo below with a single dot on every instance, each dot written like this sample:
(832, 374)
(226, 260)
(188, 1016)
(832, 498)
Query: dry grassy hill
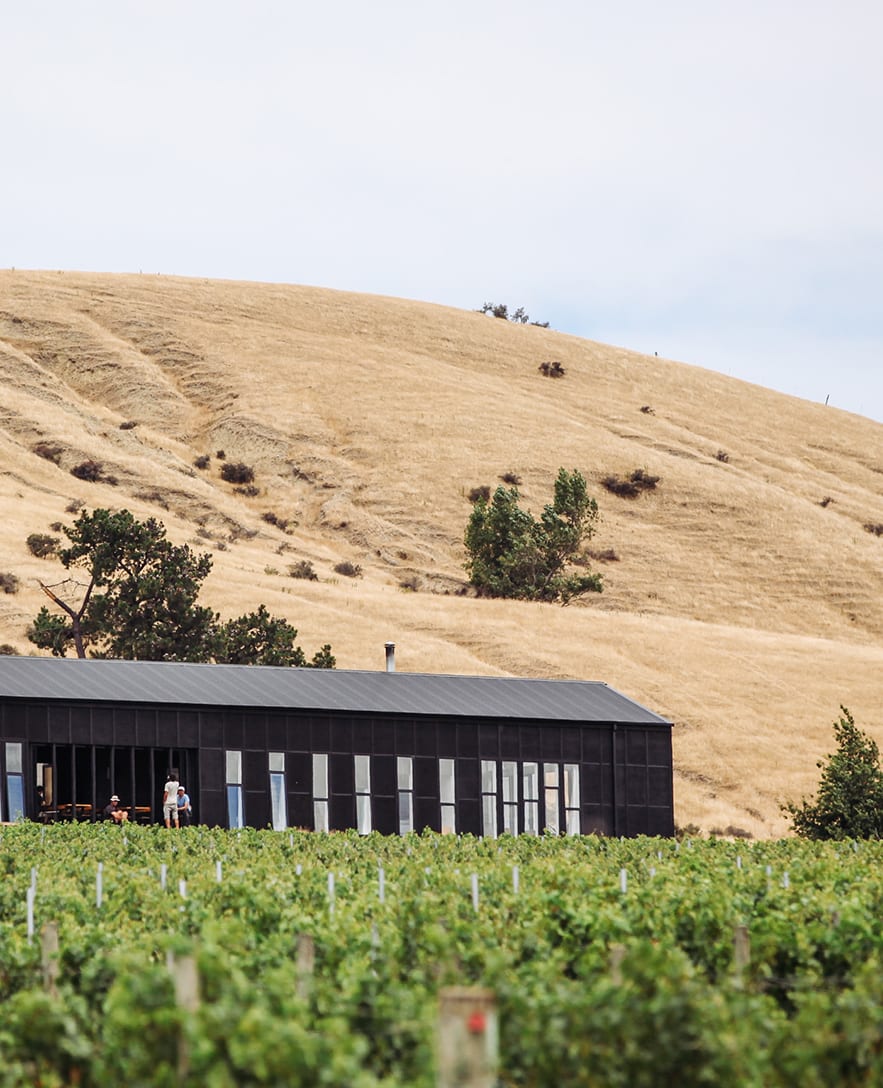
(738, 604)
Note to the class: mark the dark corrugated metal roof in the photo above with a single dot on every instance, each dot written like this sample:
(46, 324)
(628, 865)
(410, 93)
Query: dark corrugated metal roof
(178, 683)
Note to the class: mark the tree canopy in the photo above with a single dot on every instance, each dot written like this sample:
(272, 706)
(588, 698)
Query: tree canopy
(139, 602)
(849, 803)
(513, 554)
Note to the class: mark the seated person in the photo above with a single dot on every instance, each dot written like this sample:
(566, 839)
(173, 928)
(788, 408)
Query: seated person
(112, 811)
(184, 809)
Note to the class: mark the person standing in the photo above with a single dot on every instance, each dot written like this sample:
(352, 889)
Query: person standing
(184, 809)
(170, 799)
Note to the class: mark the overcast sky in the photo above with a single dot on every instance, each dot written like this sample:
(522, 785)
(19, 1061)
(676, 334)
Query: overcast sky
(699, 179)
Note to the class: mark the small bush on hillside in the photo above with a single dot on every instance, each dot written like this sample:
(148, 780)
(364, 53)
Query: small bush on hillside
(632, 486)
(88, 470)
(8, 582)
(723, 456)
(647, 410)
(478, 493)
(6, 650)
(411, 584)
(303, 568)
(552, 370)
(876, 529)
(74, 506)
(236, 472)
(49, 451)
(519, 316)
(606, 555)
(220, 455)
(202, 461)
(128, 425)
(273, 519)
(350, 570)
(250, 491)
(511, 478)
(42, 545)
(826, 501)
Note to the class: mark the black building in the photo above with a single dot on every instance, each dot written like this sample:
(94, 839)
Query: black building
(331, 749)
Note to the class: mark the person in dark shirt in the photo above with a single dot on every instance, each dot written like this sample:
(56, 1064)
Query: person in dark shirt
(113, 811)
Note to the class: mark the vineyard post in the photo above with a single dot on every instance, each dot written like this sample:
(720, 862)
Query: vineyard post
(515, 879)
(306, 962)
(381, 884)
(741, 950)
(467, 1037)
(99, 885)
(218, 871)
(186, 978)
(474, 882)
(331, 893)
(49, 957)
(29, 901)
(617, 955)
(623, 881)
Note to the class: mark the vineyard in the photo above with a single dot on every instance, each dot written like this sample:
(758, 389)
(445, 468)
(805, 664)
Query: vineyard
(614, 962)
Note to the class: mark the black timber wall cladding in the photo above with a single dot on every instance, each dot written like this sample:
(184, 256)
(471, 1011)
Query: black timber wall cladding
(625, 770)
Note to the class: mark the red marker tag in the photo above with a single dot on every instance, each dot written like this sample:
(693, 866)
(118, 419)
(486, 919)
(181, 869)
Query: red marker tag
(476, 1024)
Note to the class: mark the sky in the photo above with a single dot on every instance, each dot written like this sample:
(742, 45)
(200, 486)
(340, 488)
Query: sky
(700, 179)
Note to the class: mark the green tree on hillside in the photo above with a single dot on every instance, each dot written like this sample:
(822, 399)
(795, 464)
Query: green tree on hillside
(139, 602)
(849, 803)
(512, 554)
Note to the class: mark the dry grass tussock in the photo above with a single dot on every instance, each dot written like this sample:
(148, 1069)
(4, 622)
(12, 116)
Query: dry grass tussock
(740, 606)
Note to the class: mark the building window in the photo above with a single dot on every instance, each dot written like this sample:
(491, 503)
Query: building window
(510, 797)
(550, 797)
(363, 794)
(278, 803)
(571, 799)
(405, 773)
(234, 790)
(320, 792)
(489, 798)
(15, 783)
(447, 796)
(530, 776)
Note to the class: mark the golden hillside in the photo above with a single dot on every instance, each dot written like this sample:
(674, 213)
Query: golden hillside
(739, 605)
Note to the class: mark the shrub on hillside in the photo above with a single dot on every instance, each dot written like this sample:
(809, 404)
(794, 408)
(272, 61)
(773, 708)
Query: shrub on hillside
(480, 493)
(202, 461)
(236, 472)
(49, 451)
(88, 470)
(350, 570)
(875, 528)
(631, 486)
(8, 582)
(553, 369)
(42, 545)
(303, 568)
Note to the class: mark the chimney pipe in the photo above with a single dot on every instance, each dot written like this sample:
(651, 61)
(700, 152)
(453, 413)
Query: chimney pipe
(390, 648)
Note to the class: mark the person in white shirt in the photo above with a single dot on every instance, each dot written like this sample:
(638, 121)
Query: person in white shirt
(170, 800)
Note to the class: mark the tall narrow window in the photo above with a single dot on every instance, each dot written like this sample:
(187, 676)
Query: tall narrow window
(363, 794)
(320, 792)
(15, 783)
(510, 797)
(571, 798)
(530, 774)
(405, 774)
(234, 789)
(278, 804)
(550, 797)
(489, 798)
(447, 796)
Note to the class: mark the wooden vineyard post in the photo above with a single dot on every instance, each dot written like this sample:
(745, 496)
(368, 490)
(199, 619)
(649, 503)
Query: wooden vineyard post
(467, 1037)
(306, 961)
(617, 955)
(741, 950)
(49, 957)
(186, 978)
